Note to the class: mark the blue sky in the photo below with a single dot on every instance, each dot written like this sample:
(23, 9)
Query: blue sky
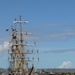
(53, 24)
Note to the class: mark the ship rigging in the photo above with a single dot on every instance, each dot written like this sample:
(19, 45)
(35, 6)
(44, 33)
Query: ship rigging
(18, 61)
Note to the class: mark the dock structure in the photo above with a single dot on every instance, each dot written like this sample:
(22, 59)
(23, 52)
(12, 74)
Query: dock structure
(18, 61)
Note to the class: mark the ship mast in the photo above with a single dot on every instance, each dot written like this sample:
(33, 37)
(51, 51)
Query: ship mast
(22, 45)
(23, 62)
(18, 61)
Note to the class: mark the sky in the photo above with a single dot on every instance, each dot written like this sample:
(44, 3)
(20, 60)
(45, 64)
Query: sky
(52, 23)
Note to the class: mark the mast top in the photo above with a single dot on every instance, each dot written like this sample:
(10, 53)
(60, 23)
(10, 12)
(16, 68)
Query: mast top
(20, 21)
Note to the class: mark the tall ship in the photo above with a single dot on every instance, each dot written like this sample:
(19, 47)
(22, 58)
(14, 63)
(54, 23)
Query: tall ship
(18, 54)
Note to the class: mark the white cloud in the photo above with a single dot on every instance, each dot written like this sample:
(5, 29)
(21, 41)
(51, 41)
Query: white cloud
(4, 46)
(64, 34)
(66, 64)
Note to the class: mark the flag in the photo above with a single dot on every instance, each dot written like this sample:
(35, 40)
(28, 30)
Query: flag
(7, 29)
(13, 29)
